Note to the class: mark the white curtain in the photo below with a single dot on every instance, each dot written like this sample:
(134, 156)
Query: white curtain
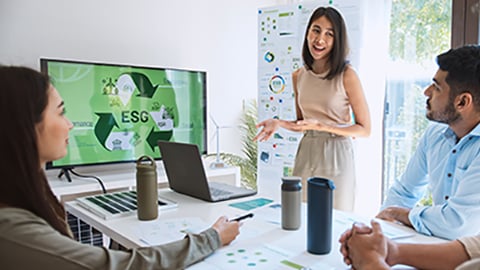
(372, 72)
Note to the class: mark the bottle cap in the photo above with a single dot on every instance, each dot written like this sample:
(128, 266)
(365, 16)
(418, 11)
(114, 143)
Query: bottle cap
(321, 182)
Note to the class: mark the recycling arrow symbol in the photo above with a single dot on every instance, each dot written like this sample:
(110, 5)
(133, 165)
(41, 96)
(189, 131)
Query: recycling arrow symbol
(155, 136)
(104, 126)
(145, 87)
(164, 119)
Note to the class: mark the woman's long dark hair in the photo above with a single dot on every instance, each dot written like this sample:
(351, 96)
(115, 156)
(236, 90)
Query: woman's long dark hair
(338, 55)
(23, 184)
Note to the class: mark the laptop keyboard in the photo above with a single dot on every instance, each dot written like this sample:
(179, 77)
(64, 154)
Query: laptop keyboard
(216, 192)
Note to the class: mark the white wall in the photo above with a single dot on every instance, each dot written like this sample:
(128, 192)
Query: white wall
(213, 35)
(218, 36)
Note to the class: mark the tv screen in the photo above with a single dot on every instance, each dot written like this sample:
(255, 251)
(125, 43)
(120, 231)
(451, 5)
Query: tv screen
(119, 112)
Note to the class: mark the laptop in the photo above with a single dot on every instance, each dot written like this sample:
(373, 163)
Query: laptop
(186, 174)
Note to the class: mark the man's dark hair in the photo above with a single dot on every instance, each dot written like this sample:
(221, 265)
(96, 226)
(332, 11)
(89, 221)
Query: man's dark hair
(463, 67)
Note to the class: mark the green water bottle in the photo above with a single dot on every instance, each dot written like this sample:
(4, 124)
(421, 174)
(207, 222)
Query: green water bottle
(147, 188)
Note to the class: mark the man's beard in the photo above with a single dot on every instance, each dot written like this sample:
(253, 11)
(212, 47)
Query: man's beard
(448, 116)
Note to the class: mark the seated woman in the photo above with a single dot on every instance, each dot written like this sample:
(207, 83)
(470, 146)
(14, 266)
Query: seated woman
(33, 228)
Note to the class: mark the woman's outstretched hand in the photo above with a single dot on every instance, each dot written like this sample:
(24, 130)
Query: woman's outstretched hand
(269, 127)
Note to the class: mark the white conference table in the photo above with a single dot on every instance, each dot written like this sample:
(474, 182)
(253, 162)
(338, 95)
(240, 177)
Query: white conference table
(261, 238)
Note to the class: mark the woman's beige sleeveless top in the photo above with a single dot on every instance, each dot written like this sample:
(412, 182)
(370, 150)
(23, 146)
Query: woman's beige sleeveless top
(322, 99)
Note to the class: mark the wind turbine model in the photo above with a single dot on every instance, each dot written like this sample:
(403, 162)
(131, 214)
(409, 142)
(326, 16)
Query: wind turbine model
(218, 163)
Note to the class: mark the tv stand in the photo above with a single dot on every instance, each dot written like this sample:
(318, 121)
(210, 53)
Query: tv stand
(121, 177)
(66, 172)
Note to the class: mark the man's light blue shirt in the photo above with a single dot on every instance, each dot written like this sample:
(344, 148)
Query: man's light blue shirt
(451, 170)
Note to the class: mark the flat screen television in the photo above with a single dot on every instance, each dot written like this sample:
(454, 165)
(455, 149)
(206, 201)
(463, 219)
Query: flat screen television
(119, 112)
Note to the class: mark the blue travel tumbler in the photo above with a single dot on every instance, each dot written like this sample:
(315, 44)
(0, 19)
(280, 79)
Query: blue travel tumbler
(319, 215)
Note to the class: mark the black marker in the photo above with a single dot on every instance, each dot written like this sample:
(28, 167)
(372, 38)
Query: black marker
(240, 218)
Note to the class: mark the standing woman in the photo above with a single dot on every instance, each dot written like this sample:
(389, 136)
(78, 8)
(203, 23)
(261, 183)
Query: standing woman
(34, 233)
(327, 92)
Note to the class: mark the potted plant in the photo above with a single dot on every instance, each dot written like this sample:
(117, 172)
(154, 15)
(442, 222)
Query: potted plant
(248, 162)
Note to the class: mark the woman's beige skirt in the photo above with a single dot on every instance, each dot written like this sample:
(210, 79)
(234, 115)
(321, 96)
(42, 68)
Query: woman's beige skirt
(323, 154)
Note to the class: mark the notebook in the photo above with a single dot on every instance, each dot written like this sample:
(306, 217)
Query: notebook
(117, 204)
(186, 174)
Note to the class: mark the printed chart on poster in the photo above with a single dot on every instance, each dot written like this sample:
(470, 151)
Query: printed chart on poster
(281, 30)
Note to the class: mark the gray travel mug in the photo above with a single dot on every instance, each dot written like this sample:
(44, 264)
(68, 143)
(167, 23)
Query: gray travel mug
(291, 202)
(147, 188)
(319, 215)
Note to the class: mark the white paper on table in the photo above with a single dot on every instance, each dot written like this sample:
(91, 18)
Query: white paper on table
(392, 232)
(159, 232)
(271, 213)
(321, 266)
(395, 233)
(250, 256)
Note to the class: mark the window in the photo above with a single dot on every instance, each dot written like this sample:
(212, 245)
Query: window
(419, 31)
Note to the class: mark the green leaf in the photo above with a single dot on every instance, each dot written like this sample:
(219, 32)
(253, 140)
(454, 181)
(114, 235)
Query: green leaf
(247, 163)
